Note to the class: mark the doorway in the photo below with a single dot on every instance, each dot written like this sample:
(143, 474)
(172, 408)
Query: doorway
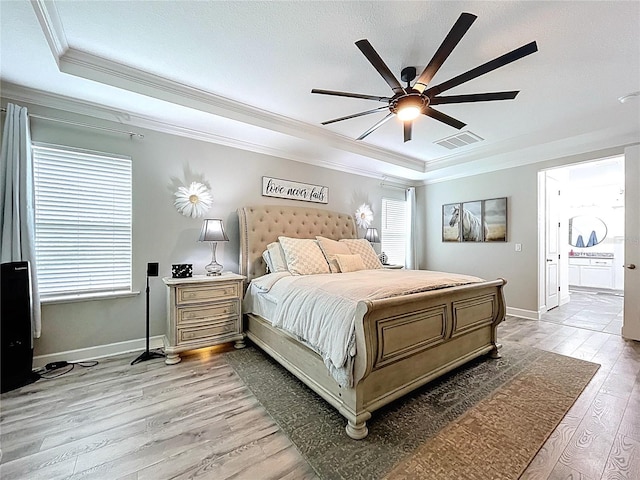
(588, 218)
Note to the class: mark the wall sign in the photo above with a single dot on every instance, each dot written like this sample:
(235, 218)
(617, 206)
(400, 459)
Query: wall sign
(276, 187)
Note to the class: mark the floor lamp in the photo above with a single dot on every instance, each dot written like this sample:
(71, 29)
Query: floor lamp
(152, 271)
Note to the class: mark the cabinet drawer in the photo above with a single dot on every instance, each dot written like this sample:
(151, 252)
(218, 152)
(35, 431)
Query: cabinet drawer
(193, 294)
(196, 334)
(207, 313)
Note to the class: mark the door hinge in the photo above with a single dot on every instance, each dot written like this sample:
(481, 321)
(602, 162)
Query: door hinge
(558, 224)
(558, 288)
(558, 256)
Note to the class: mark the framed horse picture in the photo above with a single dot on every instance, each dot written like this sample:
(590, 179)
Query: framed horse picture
(476, 221)
(450, 225)
(474, 229)
(495, 217)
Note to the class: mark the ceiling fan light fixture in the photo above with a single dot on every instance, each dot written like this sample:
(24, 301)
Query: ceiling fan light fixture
(408, 107)
(410, 112)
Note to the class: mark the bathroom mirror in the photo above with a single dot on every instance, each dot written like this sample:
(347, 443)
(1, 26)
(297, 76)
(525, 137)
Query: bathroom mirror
(586, 231)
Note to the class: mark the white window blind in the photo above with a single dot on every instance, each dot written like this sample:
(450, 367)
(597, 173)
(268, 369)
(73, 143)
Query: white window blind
(394, 230)
(83, 221)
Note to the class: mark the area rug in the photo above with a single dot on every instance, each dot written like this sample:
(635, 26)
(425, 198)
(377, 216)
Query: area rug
(484, 420)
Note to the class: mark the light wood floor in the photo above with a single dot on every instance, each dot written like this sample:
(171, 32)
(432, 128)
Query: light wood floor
(197, 419)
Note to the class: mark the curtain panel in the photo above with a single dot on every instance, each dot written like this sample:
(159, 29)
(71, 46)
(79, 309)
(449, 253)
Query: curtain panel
(17, 214)
(410, 196)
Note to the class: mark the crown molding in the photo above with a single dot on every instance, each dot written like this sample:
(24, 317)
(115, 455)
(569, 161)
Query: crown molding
(47, 15)
(96, 111)
(93, 67)
(583, 147)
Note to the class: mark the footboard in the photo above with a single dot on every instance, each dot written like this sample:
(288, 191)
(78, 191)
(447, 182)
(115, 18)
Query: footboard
(404, 342)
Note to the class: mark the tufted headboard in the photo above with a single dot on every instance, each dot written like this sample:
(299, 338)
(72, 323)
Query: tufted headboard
(260, 225)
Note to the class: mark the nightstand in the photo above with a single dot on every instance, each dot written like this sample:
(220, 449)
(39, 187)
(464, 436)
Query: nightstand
(393, 267)
(203, 311)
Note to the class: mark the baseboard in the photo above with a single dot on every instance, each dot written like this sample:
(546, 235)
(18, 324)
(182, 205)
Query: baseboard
(99, 351)
(520, 312)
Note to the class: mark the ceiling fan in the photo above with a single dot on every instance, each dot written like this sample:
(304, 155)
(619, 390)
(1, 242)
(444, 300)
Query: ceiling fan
(408, 103)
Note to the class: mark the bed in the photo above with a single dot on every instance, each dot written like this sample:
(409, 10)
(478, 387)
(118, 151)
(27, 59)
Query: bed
(401, 342)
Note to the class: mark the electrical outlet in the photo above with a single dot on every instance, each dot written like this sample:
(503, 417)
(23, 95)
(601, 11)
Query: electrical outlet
(518, 247)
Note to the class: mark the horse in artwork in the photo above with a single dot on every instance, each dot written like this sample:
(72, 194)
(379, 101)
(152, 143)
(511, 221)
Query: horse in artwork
(472, 227)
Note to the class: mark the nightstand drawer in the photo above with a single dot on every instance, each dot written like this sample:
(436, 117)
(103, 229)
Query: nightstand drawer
(215, 331)
(207, 313)
(192, 294)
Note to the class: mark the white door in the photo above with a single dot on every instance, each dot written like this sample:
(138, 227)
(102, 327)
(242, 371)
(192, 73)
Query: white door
(552, 250)
(631, 323)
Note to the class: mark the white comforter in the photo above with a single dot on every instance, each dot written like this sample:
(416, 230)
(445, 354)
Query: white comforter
(321, 309)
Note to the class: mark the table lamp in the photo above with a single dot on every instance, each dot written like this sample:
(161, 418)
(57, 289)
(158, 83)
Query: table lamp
(213, 231)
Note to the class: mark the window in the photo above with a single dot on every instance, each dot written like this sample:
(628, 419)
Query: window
(82, 221)
(394, 230)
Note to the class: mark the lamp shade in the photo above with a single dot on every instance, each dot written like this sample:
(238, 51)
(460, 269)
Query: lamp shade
(372, 235)
(213, 231)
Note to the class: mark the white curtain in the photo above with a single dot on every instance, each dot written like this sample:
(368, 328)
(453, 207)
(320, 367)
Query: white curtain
(410, 198)
(17, 215)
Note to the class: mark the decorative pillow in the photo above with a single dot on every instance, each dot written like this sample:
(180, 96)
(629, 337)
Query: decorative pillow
(303, 256)
(276, 254)
(330, 248)
(349, 263)
(363, 248)
(267, 260)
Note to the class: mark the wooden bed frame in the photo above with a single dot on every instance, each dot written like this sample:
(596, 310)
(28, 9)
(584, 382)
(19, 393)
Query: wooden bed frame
(402, 342)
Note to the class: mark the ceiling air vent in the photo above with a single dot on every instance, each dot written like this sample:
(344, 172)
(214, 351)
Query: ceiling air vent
(459, 140)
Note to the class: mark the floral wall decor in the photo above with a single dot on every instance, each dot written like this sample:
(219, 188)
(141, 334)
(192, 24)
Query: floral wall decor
(364, 216)
(193, 201)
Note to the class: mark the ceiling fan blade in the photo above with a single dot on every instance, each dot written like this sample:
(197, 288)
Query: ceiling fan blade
(379, 124)
(377, 62)
(355, 115)
(352, 95)
(448, 44)
(501, 61)
(408, 127)
(476, 97)
(443, 118)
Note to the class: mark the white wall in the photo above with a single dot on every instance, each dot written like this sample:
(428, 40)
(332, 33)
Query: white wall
(161, 163)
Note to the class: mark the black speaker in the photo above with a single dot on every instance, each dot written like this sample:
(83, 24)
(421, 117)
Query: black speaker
(15, 324)
(152, 269)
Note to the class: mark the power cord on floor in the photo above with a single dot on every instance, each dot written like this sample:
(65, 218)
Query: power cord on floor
(68, 366)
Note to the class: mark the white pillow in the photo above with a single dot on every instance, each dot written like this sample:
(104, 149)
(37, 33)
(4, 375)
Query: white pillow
(330, 248)
(303, 256)
(276, 254)
(362, 247)
(349, 263)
